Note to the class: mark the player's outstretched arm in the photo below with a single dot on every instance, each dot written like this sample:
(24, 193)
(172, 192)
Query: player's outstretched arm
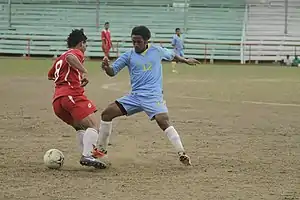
(107, 68)
(189, 61)
(117, 66)
(169, 55)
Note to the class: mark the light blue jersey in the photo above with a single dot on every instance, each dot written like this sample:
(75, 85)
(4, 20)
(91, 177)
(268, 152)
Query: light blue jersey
(145, 69)
(146, 79)
(177, 43)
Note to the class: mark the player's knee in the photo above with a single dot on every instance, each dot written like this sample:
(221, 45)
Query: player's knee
(78, 127)
(163, 121)
(105, 115)
(111, 112)
(108, 114)
(90, 121)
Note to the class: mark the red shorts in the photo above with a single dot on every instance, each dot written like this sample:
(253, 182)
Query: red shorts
(72, 109)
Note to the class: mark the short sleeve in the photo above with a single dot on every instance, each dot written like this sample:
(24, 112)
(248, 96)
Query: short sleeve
(166, 54)
(173, 41)
(77, 53)
(121, 62)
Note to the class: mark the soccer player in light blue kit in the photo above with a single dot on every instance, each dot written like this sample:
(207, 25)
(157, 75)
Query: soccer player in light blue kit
(145, 69)
(177, 43)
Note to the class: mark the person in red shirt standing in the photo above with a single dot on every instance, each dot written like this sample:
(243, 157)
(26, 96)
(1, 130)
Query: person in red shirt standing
(69, 102)
(106, 40)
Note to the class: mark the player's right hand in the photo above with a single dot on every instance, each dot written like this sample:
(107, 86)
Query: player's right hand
(84, 80)
(192, 61)
(105, 63)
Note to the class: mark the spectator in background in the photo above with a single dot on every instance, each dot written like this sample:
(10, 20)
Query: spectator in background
(177, 43)
(106, 40)
(287, 61)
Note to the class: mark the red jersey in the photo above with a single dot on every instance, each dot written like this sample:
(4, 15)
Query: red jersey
(66, 78)
(105, 36)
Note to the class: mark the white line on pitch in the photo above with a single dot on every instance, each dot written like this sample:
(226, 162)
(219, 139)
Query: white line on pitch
(245, 102)
(113, 87)
(272, 103)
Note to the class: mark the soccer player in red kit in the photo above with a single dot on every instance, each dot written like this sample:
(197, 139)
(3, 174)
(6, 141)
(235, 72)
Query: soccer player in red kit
(106, 39)
(69, 102)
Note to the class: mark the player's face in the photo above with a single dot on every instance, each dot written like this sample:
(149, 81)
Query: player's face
(178, 32)
(139, 43)
(106, 26)
(83, 46)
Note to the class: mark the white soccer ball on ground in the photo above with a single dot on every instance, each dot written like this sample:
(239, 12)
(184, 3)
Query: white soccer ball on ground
(54, 159)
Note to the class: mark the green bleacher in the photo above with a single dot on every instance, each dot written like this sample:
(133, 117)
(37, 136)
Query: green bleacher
(213, 30)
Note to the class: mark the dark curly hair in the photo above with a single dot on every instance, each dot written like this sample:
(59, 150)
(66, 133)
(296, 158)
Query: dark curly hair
(75, 37)
(141, 31)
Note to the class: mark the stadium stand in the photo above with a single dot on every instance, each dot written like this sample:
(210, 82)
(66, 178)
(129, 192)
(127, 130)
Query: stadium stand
(212, 29)
(266, 30)
(40, 26)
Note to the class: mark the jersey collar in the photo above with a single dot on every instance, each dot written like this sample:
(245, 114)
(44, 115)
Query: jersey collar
(144, 52)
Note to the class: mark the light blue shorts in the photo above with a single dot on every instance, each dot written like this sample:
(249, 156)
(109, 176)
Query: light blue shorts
(179, 53)
(150, 104)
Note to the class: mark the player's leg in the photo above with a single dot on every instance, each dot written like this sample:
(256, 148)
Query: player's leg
(65, 116)
(105, 50)
(111, 112)
(89, 140)
(157, 109)
(83, 111)
(174, 63)
(126, 105)
(163, 122)
(106, 53)
(80, 133)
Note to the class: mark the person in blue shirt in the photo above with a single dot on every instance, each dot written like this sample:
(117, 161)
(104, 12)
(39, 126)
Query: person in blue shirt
(177, 43)
(146, 77)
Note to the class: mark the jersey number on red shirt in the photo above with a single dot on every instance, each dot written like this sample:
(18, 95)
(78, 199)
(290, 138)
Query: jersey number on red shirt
(58, 66)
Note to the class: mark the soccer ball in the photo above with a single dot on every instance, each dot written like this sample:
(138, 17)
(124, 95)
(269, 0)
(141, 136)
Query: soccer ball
(54, 159)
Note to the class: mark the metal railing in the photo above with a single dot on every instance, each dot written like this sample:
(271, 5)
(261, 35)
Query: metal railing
(207, 49)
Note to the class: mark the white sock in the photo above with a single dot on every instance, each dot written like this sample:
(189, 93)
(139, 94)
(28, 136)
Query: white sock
(104, 133)
(80, 134)
(173, 65)
(174, 138)
(89, 139)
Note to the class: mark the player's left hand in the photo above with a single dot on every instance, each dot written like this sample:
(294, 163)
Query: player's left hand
(84, 80)
(192, 61)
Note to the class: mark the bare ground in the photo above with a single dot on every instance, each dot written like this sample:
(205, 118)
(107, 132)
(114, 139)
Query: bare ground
(239, 125)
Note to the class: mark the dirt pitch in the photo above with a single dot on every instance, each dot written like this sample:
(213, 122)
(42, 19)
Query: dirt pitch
(240, 125)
